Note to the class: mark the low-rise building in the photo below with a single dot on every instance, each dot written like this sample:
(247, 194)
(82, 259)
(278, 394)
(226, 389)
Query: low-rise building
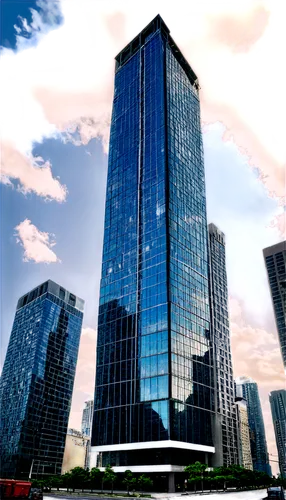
(76, 450)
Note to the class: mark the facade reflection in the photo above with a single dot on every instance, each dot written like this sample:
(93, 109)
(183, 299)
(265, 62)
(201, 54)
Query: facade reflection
(37, 381)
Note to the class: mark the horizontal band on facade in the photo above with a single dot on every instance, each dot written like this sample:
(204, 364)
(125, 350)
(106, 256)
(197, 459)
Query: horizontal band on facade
(148, 468)
(154, 444)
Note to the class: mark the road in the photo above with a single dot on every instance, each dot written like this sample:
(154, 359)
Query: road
(240, 495)
(247, 495)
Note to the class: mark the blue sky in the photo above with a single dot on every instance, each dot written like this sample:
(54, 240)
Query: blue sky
(24, 24)
(57, 86)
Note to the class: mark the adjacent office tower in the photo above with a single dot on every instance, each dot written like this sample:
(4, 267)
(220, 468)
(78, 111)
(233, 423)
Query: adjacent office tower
(37, 381)
(249, 391)
(275, 261)
(154, 378)
(226, 410)
(278, 409)
(243, 436)
(86, 421)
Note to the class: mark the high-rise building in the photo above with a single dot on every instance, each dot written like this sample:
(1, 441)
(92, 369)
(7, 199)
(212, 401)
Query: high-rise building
(37, 381)
(278, 409)
(259, 453)
(155, 388)
(227, 445)
(275, 261)
(243, 436)
(87, 416)
(76, 451)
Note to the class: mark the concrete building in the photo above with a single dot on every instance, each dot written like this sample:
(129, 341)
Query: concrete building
(76, 451)
(244, 449)
(226, 438)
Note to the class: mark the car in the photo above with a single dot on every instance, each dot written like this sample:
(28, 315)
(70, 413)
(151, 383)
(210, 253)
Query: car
(36, 494)
(276, 492)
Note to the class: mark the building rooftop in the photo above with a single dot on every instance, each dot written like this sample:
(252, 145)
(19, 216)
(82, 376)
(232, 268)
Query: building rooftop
(50, 286)
(156, 24)
(278, 247)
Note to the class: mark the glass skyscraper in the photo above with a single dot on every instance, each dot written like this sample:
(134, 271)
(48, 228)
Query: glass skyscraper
(154, 377)
(249, 390)
(86, 421)
(37, 381)
(275, 261)
(226, 443)
(278, 409)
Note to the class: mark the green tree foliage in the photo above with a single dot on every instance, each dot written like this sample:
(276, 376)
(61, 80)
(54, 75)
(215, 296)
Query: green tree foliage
(79, 478)
(196, 469)
(109, 476)
(57, 482)
(95, 477)
(129, 480)
(144, 482)
(66, 480)
(226, 477)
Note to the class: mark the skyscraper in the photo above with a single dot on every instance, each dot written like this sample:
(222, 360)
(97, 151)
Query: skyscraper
(243, 438)
(86, 421)
(226, 409)
(154, 378)
(37, 381)
(278, 409)
(275, 261)
(259, 453)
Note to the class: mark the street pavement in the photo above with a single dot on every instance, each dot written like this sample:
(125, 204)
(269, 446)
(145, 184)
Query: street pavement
(240, 495)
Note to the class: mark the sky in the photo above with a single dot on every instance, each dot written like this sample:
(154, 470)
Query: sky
(56, 88)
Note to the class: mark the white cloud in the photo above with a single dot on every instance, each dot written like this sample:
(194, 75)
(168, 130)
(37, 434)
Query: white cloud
(6, 52)
(64, 78)
(33, 174)
(37, 244)
(25, 25)
(37, 23)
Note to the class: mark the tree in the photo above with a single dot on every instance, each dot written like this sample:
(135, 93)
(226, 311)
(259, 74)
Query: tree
(95, 477)
(196, 470)
(129, 480)
(67, 480)
(144, 482)
(78, 478)
(109, 476)
(56, 482)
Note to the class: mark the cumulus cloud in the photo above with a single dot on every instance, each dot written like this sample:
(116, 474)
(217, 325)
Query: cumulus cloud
(256, 354)
(85, 375)
(33, 174)
(67, 81)
(37, 244)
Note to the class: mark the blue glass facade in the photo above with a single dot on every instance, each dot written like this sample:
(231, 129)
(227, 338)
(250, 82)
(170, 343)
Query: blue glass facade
(259, 453)
(37, 381)
(154, 377)
(227, 449)
(275, 261)
(278, 409)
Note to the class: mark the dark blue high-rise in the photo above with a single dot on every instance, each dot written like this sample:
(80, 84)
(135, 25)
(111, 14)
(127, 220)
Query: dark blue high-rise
(154, 378)
(260, 458)
(37, 381)
(275, 262)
